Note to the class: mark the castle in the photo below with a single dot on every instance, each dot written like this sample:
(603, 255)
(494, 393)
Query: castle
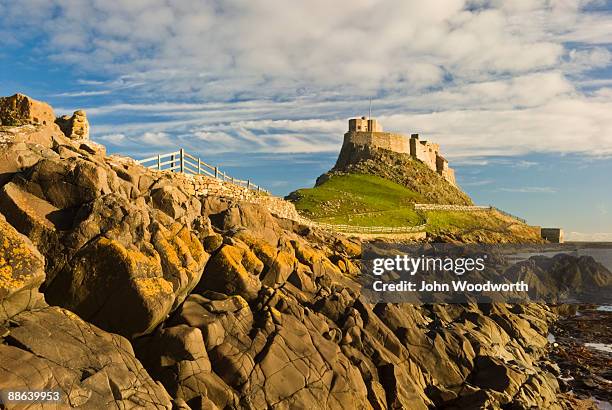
(368, 131)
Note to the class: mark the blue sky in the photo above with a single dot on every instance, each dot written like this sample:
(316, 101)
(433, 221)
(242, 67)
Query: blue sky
(517, 92)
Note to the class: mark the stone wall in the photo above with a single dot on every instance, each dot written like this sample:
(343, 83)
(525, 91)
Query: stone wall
(440, 207)
(425, 151)
(384, 140)
(444, 170)
(202, 185)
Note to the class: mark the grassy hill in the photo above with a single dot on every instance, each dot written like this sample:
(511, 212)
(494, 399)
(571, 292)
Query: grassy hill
(369, 200)
(359, 199)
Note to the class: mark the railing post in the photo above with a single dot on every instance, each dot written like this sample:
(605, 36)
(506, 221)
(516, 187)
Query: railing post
(232, 180)
(248, 184)
(182, 160)
(217, 172)
(159, 162)
(199, 165)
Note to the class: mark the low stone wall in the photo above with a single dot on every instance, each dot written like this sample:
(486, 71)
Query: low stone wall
(439, 207)
(410, 236)
(203, 185)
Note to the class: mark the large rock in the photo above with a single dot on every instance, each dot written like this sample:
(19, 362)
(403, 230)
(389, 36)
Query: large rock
(253, 217)
(182, 257)
(119, 256)
(52, 349)
(20, 109)
(105, 277)
(75, 127)
(177, 357)
(21, 272)
(233, 270)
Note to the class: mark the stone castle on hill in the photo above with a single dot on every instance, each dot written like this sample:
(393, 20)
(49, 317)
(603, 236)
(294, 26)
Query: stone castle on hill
(369, 132)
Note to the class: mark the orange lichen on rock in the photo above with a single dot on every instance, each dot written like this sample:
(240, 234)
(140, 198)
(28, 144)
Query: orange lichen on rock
(150, 287)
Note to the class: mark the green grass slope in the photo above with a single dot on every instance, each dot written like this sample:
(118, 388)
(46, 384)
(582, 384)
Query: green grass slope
(359, 199)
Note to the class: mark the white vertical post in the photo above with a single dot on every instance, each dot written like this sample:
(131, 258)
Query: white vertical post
(181, 160)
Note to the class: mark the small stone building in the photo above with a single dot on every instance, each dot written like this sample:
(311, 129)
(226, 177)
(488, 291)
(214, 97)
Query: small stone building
(554, 235)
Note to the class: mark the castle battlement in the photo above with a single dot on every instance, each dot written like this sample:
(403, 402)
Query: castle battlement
(369, 132)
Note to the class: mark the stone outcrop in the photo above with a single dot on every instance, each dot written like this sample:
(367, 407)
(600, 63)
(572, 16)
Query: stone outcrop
(20, 109)
(214, 302)
(75, 127)
(52, 349)
(21, 272)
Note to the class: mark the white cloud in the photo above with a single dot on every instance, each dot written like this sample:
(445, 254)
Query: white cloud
(157, 139)
(475, 183)
(83, 93)
(115, 139)
(220, 51)
(482, 77)
(531, 190)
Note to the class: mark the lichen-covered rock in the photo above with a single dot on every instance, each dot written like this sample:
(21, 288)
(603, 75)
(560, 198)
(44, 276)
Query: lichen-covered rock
(182, 257)
(233, 270)
(52, 349)
(104, 277)
(75, 127)
(21, 272)
(20, 109)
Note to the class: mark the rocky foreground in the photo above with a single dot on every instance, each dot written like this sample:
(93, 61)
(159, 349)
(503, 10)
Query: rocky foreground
(121, 290)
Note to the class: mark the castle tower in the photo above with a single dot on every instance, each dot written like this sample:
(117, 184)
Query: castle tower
(364, 124)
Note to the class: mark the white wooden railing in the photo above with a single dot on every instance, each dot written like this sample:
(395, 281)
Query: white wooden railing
(181, 161)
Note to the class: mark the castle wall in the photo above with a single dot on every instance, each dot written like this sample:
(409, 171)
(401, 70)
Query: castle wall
(384, 140)
(424, 151)
(444, 170)
(449, 175)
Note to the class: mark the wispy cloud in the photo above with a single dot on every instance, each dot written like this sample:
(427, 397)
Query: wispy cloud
(530, 190)
(83, 93)
(480, 182)
(115, 139)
